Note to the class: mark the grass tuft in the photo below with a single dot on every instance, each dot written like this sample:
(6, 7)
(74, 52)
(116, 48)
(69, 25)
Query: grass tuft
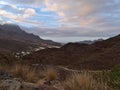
(84, 81)
(51, 74)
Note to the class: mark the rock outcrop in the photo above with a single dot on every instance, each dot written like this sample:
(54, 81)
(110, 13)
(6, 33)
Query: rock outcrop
(7, 82)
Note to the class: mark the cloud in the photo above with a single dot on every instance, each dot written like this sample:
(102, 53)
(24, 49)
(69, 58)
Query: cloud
(84, 12)
(25, 2)
(66, 17)
(26, 13)
(13, 14)
(87, 17)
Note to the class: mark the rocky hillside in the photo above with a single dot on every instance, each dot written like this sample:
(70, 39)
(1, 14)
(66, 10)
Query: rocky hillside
(7, 59)
(100, 55)
(13, 38)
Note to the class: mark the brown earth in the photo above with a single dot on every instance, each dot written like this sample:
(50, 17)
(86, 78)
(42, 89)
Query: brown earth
(100, 55)
(7, 58)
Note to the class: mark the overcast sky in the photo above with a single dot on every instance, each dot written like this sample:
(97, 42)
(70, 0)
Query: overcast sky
(64, 20)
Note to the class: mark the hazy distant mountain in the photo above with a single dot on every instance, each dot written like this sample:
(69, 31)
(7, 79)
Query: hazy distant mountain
(89, 41)
(13, 38)
(99, 55)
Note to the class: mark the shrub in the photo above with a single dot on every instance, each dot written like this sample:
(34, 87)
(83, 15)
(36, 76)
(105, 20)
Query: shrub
(24, 72)
(79, 82)
(84, 81)
(51, 74)
(114, 77)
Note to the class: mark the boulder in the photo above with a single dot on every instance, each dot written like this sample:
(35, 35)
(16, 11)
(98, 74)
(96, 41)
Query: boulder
(10, 84)
(31, 86)
(7, 82)
(4, 76)
(46, 87)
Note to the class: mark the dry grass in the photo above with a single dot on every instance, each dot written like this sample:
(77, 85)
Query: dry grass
(76, 81)
(23, 72)
(79, 82)
(84, 81)
(51, 74)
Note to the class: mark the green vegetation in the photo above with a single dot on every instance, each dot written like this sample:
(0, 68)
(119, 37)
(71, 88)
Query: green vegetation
(114, 77)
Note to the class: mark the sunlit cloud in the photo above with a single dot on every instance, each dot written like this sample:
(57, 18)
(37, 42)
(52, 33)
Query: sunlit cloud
(64, 18)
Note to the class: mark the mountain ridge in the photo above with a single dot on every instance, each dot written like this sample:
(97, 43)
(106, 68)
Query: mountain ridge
(19, 39)
(99, 55)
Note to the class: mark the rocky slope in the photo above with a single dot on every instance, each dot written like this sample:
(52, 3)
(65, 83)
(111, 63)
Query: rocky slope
(7, 58)
(100, 55)
(7, 82)
(13, 38)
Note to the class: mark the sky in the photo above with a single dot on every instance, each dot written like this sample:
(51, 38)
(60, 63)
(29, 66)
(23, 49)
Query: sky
(64, 20)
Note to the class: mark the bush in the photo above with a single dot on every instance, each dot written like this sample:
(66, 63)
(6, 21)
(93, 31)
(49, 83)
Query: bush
(85, 81)
(79, 82)
(51, 74)
(23, 72)
(114, 77)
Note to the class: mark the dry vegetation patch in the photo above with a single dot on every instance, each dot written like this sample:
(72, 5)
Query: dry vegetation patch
(84, 81)
(49, 76)
(24, 72)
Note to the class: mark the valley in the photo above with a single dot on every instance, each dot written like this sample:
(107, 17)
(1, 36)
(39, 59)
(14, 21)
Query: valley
(59, 44)
(28, 62)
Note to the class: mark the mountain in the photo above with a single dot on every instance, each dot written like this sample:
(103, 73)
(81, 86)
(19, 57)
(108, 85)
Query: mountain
(99, 55)
(13, 38)
(14, 32)
(89, 41)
